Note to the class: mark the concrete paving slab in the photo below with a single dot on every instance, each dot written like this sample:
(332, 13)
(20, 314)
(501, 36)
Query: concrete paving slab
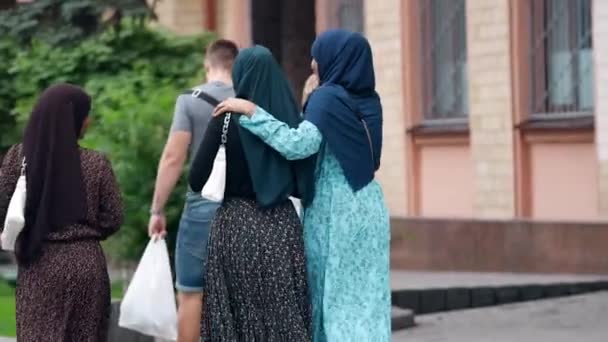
(400, 319)
(576, 318)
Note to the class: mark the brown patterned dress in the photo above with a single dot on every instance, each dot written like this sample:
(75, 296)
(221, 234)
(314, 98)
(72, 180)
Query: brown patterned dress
(65, 295)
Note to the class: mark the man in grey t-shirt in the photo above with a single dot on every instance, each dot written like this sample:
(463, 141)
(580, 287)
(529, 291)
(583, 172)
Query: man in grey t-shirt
(190, 120)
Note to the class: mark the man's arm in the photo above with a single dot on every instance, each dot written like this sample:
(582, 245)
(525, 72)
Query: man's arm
(170, 168)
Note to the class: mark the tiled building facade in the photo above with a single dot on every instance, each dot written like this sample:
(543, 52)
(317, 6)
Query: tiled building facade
(496, 123)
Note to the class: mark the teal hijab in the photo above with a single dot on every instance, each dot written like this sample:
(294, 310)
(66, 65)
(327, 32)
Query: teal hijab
(258, 78)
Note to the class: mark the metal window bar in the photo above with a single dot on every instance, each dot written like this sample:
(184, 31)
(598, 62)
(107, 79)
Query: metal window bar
(444, 60)
(560, 55)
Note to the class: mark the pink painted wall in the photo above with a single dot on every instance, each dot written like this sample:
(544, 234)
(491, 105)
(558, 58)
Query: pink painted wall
(234, 21)
(446, 184)
(564, 181)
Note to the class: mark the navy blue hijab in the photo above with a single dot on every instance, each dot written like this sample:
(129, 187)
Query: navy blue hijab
(345, 96)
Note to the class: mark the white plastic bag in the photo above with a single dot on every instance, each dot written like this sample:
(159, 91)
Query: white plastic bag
(149, 305)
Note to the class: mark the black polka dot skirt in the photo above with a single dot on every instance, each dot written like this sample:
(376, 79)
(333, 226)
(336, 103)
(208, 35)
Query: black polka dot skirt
(256, 288)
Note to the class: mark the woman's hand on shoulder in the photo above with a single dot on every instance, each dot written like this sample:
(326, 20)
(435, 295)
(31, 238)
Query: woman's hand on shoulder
(234, 105)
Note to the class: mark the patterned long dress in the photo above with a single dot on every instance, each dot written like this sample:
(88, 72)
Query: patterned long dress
(65, 294)
(346, 236)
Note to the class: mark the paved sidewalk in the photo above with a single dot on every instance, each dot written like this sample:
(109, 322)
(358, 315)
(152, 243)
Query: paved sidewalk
(570, 319)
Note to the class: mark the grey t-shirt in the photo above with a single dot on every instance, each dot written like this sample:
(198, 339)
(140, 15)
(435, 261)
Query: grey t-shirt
(193, 114)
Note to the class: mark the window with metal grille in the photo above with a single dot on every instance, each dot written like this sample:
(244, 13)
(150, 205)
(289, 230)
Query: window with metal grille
(561, 58)
(444, 59)
(350, 15)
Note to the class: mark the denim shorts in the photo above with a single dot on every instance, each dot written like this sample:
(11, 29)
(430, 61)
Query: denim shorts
(191, 246)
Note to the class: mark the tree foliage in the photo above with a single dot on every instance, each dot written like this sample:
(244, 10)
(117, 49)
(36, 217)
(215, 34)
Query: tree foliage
(133, 74)
(66, 22)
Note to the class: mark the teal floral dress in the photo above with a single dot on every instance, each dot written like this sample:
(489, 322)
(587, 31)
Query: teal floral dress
(346, 239)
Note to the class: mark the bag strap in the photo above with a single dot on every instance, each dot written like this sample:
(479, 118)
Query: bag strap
(369, 138)
(225, 129)
(201, 95)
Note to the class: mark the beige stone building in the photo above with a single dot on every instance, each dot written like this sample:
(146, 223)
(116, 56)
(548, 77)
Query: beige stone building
(496, 119)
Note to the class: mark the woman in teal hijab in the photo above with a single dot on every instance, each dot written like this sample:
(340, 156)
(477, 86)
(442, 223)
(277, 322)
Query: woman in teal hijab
(256, 274)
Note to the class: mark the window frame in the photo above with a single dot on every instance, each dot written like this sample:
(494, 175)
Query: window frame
(429, 64)
(358, 7)
(538, 46)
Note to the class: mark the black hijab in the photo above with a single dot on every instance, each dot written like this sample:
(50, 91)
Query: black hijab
(55, 188)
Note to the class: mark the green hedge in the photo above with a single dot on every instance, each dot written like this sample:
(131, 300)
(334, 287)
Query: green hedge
(133, 75)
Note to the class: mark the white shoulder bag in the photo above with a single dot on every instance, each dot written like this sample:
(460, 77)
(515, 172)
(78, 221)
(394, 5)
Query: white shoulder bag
(15, 216)
(216, 184)
(297, 205)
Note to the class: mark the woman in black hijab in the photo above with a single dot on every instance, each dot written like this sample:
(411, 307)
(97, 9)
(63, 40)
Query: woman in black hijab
(73, 202)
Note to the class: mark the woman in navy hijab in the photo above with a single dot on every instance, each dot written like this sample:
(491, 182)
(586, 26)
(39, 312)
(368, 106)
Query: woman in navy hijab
(346, 223)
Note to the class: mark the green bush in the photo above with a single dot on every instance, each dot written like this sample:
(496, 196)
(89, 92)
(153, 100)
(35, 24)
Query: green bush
(132, 130)
(66, 22)
(133, 75)
(8, 131)
(62, 23)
